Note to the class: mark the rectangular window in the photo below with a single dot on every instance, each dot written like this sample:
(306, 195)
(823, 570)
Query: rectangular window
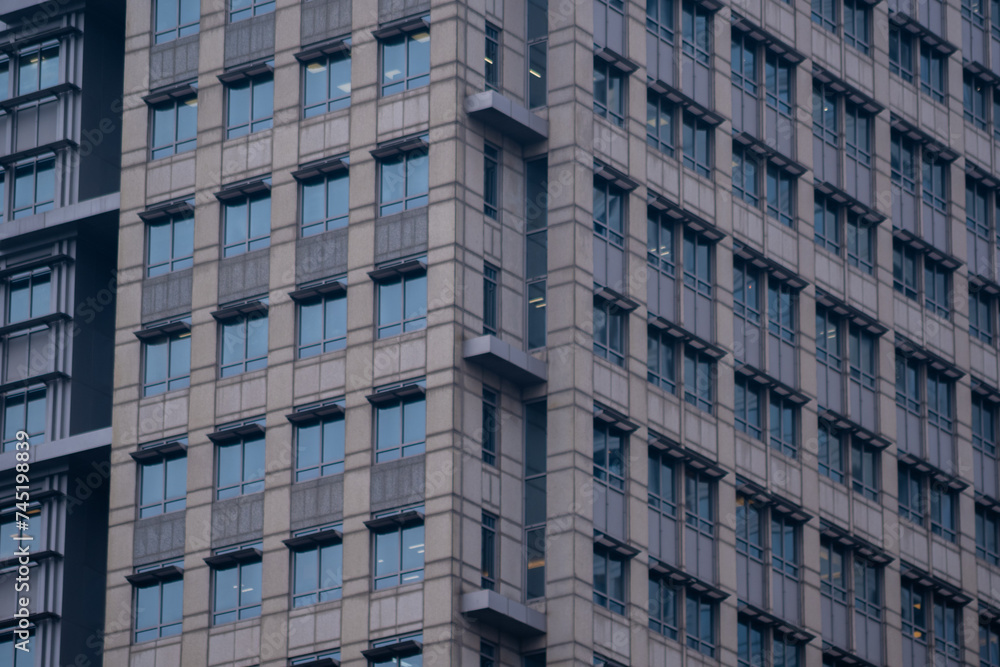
(325, 202)
(29, 296)
(824, 13)
(537, 38)
(746, 175)
(663, 607)
(904, 269)
(491, 300)
(322, 324)
(660, 114)
(609, 580)
(247, 221)
(174, 127)
(609, 92)
(901, 54)
(933, 72)
(409, 658)
(935, 182)
(38, 68)
(981, 316)
(167, 364)
(535, 496)
(944, 505)
(661, 360)
(830, 453)
(864, 470)
(406, 62)
(937, 283)
(700, 624)
(240, 467)
(984, 445)
(317, 571)
(34, 186)
(782, 423)
(319, 449)
(244, 9)
(492, 58)
(860, 243)
(536, 242)
(857, 16)
(491, 180)
(158, 607)
(697, 145)
(911, 495)
(236, 588)
(609, 331)
(400, 429)
(989, 646)
(746, 405)
(327, 84)
(170, 244)
(491, 425)
(244, 344)
(162, 486)
(24, 411)
(698, 379)
(399, 552)
(488, 654)
(250, 106)
(987, 535)
(974, 93)
(176, 19)
(489, 547)
(402, 304)
(825, 214)
(780, 188)
(403, 181)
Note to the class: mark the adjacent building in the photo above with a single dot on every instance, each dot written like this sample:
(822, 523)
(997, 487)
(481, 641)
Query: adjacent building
(542, 332)
(61, 66)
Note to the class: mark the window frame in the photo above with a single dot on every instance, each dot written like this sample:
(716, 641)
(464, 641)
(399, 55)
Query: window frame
(410, 80)
(249, 568)
(328, 65)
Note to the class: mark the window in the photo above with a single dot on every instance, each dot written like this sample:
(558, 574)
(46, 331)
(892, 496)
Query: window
(402, 304)
(170, 244)
(491, 180)
(930, 620)
(609, 579)
(29, 296)
(981, 316)
(867, 605)
(974, 93)
(988, 535)
(244, 9)
(236, 587)
(697, 262)
(824, 13)
(322, 324)
(989, 646)
(830, 453)
(609, 92)
(936, 288)
(24, 411)
(780, 191)
(825, 216)
(663, 500)
(406, 62)
(403, 181)
(399, 549)
(158, 606)
(661, 255)
(327, 84)
(247, 221)
(745, 176)
(663, 599)
(13, 655)
(944, 505)
(244, 344)
(38, 68)
(250, 105)
(660, 25)
(904, 269)
(916, 491)
(755, 640)
(491, 425)
(175, 127)
(487, 654)
(911, 495)
(609, 331)
(491, 300)
(13, 530)
(660, 115)
(697, 145)
(408, 655)
(240, 466)
(661, 364)
(162, 486)
(864, 469)
(699, 370)
(317, 569)
(325, 203)
(984, 445)
(747, 408)
(34, 186)
(901, 54)
(400, 429)
(489, 557)
(610, 447)
(933, 72)
(860, 243)
(700, 623)
(537, 38)
(980, 245)
(167, 364)
(536, 250)
(782, 425)
(319, 448)
(696, 49)
(176, 19)
(535, 496)
(492, 58)
(315, 658)
(857, 16)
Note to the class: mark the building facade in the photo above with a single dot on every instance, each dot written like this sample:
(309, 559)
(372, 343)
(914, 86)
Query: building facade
(61, 70)
(544, 332)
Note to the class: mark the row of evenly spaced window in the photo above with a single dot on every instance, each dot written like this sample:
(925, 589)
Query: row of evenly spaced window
(913, 59)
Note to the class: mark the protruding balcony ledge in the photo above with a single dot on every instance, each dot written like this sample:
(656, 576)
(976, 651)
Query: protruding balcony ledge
(506, 115)
(501, 358)
(493, 609)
